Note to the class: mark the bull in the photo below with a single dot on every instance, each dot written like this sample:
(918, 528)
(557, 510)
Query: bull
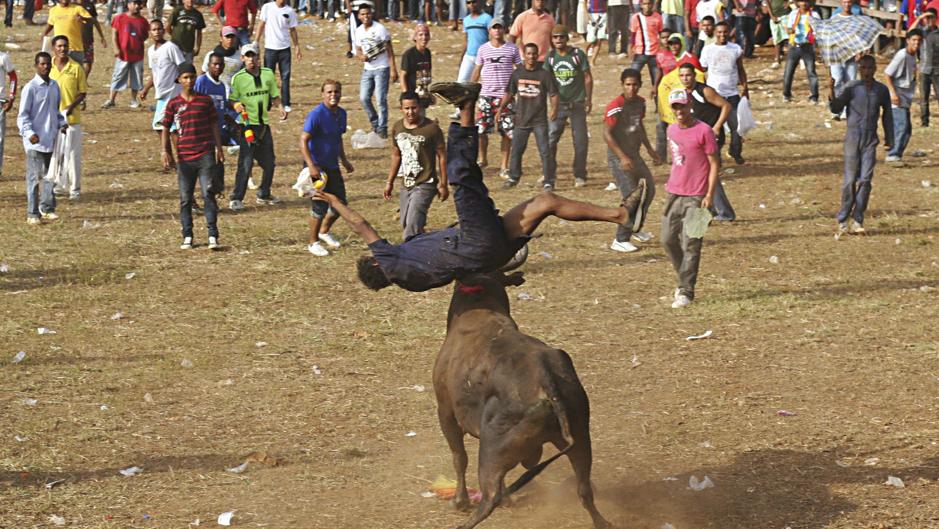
(512, 392)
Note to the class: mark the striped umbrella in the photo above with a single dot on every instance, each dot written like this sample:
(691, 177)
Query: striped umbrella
(841, 38)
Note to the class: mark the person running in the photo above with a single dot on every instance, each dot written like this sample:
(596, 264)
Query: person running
(279, 28)
(778, 13)
(690, 185)
(129, 34)
(495, 62)
(901, 81)
(624, 134)
(484, 241)
(417, 149)
(575, 90)
(73, 87)
(88, 37)
(192, 115)
(867, 102)
(596, 28)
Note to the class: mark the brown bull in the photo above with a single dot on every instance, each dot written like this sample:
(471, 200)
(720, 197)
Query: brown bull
(512, 392)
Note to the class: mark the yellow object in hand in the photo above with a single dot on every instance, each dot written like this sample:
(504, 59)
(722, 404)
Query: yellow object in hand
(320, 183)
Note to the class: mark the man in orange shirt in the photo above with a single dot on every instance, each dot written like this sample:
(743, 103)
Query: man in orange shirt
(533, 26)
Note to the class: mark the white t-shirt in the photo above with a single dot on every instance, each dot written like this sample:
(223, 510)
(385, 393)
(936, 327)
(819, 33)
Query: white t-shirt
(721, 64)
(373, 42)
(707, 8)
(277, 24)
(6, 66)
(163, 62)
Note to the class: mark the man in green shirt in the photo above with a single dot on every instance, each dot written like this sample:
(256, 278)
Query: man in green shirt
(253, 91)
(186, 25)
(575, 86)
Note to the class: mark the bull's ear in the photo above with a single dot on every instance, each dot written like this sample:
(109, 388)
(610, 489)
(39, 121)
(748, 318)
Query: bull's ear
(514, 279)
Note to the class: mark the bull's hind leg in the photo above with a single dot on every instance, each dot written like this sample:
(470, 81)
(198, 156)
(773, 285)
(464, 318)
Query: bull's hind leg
(581, 458)
(491, 475)
(454, 435)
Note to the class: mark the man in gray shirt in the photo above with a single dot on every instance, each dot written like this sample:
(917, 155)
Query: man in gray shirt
(901, 81)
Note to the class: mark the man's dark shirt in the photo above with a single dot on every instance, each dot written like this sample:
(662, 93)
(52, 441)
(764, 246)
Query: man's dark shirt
(417, 265)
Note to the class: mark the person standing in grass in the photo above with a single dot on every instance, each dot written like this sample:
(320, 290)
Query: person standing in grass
(163, 57)
(68, 19)
(575, 90)
(73, 87)
(901, 81)
(185, 26)
(129, 34)
(7, 98)
(417, 65)
(279, 28)
(192, 115)
(495, 62)
(778, 13)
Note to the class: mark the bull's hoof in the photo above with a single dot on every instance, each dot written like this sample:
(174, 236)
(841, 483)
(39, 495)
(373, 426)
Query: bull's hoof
(461, 504)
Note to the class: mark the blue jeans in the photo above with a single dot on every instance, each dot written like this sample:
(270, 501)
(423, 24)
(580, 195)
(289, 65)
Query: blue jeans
(244, 37)
(627, 181)
(8, 16)
(280, 60)
(187, 172)
(577, 114)
(673, 23)
(372, 81)
(806, 53)
(640, 60)
(746, 27)
(39, 195)
(520, 144)
(843, 73)
(902, 131)
(503, 9)
(261, 150)
(860, 155)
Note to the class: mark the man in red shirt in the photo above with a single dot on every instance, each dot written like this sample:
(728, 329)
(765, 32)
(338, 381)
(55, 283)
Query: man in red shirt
(240, 15)
(199, 149)
(130, 31)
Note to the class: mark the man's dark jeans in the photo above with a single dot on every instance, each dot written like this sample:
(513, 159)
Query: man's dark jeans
(8, 16)
(261, 150)
(617, 27)
(806, 53)
(520, 145)
(746, 27)
(927, 82)
(577, 114)
(280, 60)
(188, 172)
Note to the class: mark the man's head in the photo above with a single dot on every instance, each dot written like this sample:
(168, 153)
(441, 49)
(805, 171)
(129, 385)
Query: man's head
(187, 5)
(43, 64)
(60, 47)
(410, 107)
(707, 25)
(421, 36)
(631, 81)
(216, 65)
(663, 37)
(530, 56)
(496, 30)
(331, 90)
(249, 56)
(157, 30)
(133, 7)
(186, 76)
(646, 7)
(229, 37)
(931, 17)
(365, 15)
(65, 3)
(370, 274)
(846, 6)
(675, 44)
(914, 38)
(803, 5)
(537, 6)
(687, 75)
(866, 68)
(721, 32)
(559, 37)
(474, 6)
(680, 104)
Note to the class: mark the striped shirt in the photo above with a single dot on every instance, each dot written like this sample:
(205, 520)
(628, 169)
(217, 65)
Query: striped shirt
(195, 121)
(498, 65)
(645, 30)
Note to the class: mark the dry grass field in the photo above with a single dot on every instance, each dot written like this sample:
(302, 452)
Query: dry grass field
(184, 362)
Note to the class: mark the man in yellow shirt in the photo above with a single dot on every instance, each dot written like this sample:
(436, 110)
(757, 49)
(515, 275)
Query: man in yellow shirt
(68, 19)
(73, 86)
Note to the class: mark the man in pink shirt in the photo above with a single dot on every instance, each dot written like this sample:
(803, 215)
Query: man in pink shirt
(645, 27)
(533, 25)
(690, 186)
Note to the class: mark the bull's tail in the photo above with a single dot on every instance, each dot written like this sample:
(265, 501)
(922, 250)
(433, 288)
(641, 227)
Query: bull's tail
(547, 383)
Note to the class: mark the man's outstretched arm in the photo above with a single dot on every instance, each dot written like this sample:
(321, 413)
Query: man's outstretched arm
(356, 221)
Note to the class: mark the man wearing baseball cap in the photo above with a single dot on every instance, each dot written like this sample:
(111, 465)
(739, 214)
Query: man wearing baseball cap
(239, 14)
(690, 186)
(228, 50)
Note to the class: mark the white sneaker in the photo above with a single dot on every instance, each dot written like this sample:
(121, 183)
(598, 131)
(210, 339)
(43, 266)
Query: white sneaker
(251, 184)
(611, 187)
(74, 195)
(317, 249)
(774, 65)
(213, 243)
(288, 110)
(579, 182)
(33, 221)
(892, 158)
(681, 301)
(134, 104)
(236, 205)
(187, 244)
(49, 216)
(270, 201)
(624, 246)
(329, 240)
(857, 228)
(642, 236)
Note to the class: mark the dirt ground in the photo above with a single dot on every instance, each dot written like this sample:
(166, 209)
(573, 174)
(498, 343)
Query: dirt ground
(819, 382)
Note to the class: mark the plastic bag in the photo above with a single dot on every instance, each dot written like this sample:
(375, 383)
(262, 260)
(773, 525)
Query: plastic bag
(696, 222)
(745, 121)
(306, 185)
(58, 170)
(362, 140)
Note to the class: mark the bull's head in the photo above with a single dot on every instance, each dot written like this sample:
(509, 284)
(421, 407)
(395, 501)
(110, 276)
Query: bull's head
(483, 291)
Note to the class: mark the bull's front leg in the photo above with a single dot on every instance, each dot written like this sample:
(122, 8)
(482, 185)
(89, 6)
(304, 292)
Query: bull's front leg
(454, 435)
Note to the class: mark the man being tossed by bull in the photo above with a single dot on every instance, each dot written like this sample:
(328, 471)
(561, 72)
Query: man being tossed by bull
(484, 241)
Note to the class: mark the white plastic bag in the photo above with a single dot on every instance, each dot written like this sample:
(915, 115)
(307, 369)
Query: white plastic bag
(58, 173)
(745, 121)
(304, 185)
(362, 140)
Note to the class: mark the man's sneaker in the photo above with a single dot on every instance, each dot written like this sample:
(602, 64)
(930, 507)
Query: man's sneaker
(236, 205)
(579, 182)
(642, 236)
(317, 249)
(287, 109)
(74, 195)
(349, 55)
(681, 301)
(59, 192)
(739, 160)
(892, 158)
(857, 228)
(269, 201)
(842, 230)
(134, 103)
(251, 184)
(509, 184)
(611, 187)
(504, 174)
(187, 244)
(774, 65)
(623, 246)
(50, 215)
(213, 243)
(329, 240)
(548, 188)
(456, 93)
(107, 104)
(33, 221)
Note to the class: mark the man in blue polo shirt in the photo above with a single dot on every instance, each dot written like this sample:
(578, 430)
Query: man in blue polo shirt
(321, 145)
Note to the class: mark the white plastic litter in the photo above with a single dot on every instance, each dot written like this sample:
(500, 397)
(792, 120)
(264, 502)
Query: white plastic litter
(894, 481)
(872, 461)
(260, 344)
(316, 370)
(635, 361)
(705, 483)
(411, 434)
(19, 439)
(57, 520)
(304, 185)
(186, 363)
(668, 526)
(19, 357)
(362, 140)
(30, 402)
(4, 268)
(225, 518)
(130, 275)
(669, 478)
(131, 471)
(924, 183)
(88, 225)
(147, 397)
(12, 45)
(428, 494)
(117, 315)
(239, 469)
(45, 330)
(705, 334)
(104, 407)
(773, 259)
